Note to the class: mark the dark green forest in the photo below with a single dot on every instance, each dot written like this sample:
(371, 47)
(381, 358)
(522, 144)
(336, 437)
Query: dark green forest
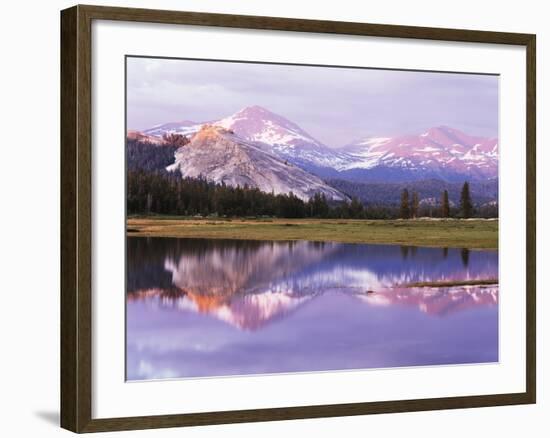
(390, 193)
(146, 157)
(165, 193)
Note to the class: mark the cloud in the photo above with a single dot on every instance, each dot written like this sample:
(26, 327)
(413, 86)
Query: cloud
(336, 105)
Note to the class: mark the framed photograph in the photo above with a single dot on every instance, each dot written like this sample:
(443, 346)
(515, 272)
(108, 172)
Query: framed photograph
(270, 218)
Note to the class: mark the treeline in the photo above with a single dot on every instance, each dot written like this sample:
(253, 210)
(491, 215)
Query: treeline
(150, 157)
(410, 207)
(167, 193)
(389, 193)
(144, 156)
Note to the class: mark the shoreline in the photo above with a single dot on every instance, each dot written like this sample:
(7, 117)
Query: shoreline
(452, 283)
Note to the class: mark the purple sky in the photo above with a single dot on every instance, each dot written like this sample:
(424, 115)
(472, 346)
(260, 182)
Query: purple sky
(335, 105)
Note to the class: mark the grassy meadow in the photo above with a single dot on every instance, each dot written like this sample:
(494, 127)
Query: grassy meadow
(470, 233)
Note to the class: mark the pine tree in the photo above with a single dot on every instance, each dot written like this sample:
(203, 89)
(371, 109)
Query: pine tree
(445, 209)
(404, 210)
(414, 205)
(324, 207)
(466, 206)
(318, 205)
(356, 209)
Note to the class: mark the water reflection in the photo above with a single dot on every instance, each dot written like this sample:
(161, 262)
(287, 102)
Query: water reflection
(465, 256)
(437, 301)
(181, 290)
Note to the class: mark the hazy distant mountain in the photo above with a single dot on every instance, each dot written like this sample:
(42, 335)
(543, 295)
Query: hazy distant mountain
(430, 189)
(444, 153)
(144, 138)
(440, 152)
(221, 156)
(185, 127)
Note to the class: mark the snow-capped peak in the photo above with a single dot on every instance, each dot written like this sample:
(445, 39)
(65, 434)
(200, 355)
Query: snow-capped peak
(257, 124)
(439, 149)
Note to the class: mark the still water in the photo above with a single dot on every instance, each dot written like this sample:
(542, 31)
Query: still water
(200, 307)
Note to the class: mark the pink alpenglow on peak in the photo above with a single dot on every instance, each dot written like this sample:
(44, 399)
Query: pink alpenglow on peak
(253, 123)
(258, 124)
(271, 131)
(440, 152)
(441, 147)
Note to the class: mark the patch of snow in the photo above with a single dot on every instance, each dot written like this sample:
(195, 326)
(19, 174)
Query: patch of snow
(374, 142)
(427, 149)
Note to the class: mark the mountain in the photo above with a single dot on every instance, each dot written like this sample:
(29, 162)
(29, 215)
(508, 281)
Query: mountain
(440, 152)
(285, 138)
(221, 156)
(185, 127)
(277, 134)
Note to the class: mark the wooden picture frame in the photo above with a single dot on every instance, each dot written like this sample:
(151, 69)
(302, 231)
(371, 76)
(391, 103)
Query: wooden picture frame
(76, 217)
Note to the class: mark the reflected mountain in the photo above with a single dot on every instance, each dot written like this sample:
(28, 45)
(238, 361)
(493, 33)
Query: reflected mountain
(246, 312)
(439, 301)
(226, 270)
(250, 284)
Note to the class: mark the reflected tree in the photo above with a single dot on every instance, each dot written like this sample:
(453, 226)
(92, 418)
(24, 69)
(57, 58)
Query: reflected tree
(465, 256)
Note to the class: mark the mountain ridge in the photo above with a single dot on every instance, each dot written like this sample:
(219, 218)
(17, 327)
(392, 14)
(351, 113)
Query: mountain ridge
(221, 156)
(429, 191)
(440, 152)
(437, 148)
